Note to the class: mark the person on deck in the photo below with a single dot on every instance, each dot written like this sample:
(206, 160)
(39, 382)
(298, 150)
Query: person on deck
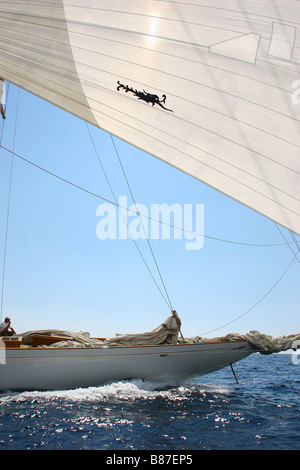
(6, 329)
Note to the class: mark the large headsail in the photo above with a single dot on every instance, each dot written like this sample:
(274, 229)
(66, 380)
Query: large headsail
(211, 88)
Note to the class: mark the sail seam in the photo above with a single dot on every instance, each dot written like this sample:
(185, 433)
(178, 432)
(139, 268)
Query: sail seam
(172, 55)
(228, 10)
(215, 156)
(219, 135)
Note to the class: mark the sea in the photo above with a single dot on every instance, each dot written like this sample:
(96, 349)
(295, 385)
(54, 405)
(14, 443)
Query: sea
(213, 412)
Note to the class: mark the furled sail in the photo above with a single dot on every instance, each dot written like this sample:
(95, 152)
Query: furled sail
(211, 88)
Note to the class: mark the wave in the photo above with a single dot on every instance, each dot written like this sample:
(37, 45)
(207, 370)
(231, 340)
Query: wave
(122, 390)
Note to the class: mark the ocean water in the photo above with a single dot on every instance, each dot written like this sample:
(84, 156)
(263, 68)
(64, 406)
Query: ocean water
(211, 412)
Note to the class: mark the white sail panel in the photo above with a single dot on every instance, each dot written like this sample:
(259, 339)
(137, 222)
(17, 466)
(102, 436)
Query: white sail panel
(35, 54)
(230, 117)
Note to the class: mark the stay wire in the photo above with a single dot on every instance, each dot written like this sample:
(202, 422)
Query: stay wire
(8, 203)
(295, 242)
(87, 191)
(264, 372)
(147, 238)
(167, 301)
(258, 302)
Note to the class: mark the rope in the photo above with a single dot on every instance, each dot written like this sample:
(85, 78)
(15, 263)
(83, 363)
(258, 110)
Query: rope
(8, 203)
(263, 373)
(263, 245)
(295, 242)
(167, 301)
(257, 303)
(115, 203)
(149, 244)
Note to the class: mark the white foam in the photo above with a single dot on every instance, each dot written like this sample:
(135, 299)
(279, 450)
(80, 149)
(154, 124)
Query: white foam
(123, 390)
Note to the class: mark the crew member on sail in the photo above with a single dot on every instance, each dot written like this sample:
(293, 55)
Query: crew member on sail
(6, 328)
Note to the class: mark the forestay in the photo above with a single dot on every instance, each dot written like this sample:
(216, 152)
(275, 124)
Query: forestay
(211, 88)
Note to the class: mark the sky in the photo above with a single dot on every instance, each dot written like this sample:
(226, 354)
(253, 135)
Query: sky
(57, 273)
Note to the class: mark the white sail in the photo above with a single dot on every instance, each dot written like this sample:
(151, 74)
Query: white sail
(230, 73)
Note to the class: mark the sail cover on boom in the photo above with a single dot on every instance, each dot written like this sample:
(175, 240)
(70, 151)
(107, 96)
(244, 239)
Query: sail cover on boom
(211, 88)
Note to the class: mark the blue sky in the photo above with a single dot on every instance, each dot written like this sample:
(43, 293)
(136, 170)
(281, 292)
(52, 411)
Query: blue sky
(58, 274)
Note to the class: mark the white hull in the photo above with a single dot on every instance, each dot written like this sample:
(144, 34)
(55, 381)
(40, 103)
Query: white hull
(66, 368)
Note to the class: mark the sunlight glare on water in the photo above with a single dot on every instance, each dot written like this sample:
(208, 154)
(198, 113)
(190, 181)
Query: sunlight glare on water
(211, 412)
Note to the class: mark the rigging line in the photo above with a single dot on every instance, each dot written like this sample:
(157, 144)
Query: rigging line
(289, 245)
(8, 204)
(106, 177)
(296, 241)
(234, 242)
(147, 238)
(258, 302)
(264, 372)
